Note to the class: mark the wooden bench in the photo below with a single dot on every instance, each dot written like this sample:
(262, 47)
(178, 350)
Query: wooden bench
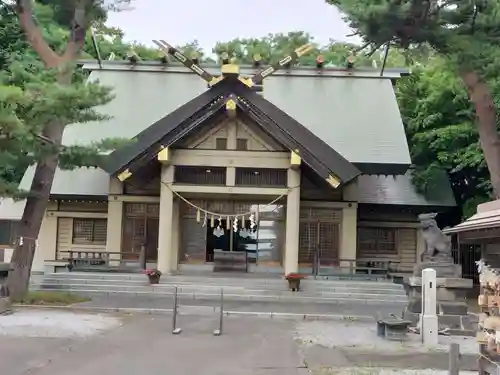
(95, 261)
(230, 261)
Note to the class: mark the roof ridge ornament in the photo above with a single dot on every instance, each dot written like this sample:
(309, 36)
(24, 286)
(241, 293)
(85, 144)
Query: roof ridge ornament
(187, 62)
(229, 68)
(285, 61)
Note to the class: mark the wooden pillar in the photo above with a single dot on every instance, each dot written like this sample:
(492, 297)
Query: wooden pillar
(165, 233)
(292, 223)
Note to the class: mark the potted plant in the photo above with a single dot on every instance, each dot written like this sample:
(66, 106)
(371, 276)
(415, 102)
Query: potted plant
(294, 281)
(153, 275)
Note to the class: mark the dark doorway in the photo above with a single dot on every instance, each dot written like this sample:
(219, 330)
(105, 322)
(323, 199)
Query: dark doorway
(218, 238)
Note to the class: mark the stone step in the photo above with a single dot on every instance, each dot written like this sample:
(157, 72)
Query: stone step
(228, 281)
(306, 286)
(202, 292)
(168, 293)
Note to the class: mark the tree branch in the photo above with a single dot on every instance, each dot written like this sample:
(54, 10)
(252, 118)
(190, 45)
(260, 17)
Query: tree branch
(78, 29)
(34, 35)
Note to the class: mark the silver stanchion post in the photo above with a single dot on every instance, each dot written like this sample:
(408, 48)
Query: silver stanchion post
(175, 330)
(218, 332)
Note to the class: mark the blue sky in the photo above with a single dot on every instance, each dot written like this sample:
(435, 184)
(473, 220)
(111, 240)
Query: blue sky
(179, 22)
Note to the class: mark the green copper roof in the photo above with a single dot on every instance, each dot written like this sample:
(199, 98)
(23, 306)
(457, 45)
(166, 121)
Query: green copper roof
(358, 117)
(141, 98)
(399, 190)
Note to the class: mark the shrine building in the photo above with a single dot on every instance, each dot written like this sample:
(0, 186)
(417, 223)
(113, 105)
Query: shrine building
(288, 168)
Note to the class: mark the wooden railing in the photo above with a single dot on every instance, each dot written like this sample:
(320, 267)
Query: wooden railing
(356, 268)
(106, 261)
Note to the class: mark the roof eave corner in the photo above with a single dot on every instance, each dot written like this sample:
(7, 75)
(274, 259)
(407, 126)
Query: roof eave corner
(106, 165)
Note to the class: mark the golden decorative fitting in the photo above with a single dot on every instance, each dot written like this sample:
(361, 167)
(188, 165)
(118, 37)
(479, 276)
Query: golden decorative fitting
(124, 175)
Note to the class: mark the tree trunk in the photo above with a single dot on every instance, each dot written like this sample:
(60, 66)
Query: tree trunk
(34, 211)
(480, 95)
(31, 221)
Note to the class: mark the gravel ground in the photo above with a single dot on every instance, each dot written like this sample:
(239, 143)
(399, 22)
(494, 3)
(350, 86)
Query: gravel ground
(55, 324)
(53, 342)
(363, 336)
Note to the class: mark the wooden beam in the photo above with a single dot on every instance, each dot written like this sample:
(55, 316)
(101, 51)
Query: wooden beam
(287, 60)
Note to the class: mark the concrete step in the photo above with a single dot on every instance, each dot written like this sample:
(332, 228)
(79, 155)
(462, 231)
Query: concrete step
(206, 288)
(306, 286)
(227, 281)
(297, 298)
(196, 292)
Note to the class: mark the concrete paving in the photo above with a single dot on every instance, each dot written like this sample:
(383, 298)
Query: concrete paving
(345, 309)
(249, 346)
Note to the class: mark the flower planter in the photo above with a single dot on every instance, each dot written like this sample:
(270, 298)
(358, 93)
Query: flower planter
(294, 284)
(154, 279)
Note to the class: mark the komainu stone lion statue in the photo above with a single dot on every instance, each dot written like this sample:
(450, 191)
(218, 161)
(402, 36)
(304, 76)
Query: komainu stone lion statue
(437, 244)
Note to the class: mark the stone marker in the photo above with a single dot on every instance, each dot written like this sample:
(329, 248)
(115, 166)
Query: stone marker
(429, 320)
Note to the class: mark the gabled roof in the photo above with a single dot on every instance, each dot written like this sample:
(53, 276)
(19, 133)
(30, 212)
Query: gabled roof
(190, 112)
(318, 155)
(354, 112)
(310, 146)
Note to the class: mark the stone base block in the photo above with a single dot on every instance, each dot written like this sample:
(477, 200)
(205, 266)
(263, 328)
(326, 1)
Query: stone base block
(451, 305)
(443, 269)
(454, 325)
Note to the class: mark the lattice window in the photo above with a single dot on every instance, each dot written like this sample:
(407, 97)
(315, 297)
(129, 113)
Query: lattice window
(90, 231)
(135, 208)
(142, 210)
(200, 175)
(261, 177)
(242, 144)
(318, 213)
(373, 240)
(221, 143)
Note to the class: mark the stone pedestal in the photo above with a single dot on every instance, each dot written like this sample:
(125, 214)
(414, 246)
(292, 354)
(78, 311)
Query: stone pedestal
(451, 304)
(445, 268)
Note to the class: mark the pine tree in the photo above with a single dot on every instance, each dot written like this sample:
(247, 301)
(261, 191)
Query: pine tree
(464, 32)
(39, 98)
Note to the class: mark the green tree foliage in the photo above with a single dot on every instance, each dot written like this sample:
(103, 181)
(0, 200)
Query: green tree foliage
(23, 78)
(41, 93)
(441, 133)
(273, 47)
(464, 33)
(29, 98)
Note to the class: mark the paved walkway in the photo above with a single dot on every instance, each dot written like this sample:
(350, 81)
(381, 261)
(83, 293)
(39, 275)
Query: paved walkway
(137, 344)
(145, 302)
